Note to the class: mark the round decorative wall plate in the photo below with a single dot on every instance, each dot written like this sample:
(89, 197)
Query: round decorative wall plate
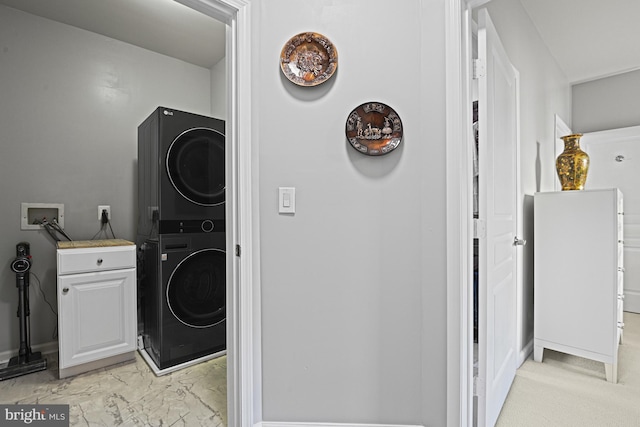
(308, 59)
(374, 129)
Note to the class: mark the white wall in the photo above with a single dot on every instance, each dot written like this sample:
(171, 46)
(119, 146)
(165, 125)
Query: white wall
(70, 105)
(544, 92)
(353, 284)
(608, 103)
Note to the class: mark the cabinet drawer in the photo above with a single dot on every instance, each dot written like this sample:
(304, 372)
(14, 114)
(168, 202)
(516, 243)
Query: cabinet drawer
(80, 260)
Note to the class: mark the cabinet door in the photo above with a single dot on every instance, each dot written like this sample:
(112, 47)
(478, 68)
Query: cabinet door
(97, 314)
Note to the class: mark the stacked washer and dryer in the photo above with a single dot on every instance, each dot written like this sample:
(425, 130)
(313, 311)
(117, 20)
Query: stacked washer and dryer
(182, 239)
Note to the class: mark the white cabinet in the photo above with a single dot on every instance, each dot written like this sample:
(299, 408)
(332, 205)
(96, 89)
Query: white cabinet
(578, 258)
(96, 304)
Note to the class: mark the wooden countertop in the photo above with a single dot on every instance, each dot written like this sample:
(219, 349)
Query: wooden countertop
(93, 243)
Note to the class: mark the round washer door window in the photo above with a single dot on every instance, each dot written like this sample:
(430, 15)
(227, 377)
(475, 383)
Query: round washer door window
(195, 165)
(196, 292)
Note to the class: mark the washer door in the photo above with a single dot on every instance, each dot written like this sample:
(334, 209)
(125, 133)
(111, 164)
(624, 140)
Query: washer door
(195, 165)
(196, 292)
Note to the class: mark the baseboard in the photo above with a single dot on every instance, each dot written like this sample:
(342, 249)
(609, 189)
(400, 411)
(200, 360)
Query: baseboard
(525, 352)
(296, 424)
(46, 348)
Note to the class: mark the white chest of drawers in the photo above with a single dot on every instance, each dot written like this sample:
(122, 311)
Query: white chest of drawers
(96, 304)
(578, 284)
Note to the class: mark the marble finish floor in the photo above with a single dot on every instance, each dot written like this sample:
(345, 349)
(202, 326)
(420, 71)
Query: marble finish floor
(129, 394)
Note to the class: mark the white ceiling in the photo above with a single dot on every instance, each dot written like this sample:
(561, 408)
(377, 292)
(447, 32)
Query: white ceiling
(589, 38)
(163, 26)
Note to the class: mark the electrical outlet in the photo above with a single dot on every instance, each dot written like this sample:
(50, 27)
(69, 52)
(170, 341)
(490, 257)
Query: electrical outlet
(104, 208)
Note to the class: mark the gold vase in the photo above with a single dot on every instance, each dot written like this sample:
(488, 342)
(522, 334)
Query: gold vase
(572, 164)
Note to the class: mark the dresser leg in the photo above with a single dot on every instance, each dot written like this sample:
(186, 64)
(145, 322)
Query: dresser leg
(537, 353)
(611, 372)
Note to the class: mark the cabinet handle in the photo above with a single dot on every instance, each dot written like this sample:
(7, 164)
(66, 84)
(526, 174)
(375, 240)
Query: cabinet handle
(65, 290)
(621, 269)
(99, 261)
(621, 325)
(621, 296)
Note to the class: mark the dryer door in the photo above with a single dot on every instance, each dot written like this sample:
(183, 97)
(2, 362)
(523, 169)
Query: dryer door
(195, 166)
(196, 292)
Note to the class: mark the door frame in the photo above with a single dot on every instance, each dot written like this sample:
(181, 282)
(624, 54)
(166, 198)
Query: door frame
(458, 53)
(244, 388)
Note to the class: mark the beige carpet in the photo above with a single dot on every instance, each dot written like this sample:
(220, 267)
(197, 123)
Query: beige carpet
(568, 391)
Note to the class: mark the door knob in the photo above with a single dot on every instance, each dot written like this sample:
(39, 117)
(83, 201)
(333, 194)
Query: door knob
(65, 290)
(519, 242)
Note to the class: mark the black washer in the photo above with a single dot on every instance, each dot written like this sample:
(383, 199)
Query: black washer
(196, 291)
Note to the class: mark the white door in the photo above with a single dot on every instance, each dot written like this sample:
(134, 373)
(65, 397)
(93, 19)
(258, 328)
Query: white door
(615, 163)
(498, 139)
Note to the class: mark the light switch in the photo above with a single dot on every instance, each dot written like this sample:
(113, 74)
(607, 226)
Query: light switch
(287, 200)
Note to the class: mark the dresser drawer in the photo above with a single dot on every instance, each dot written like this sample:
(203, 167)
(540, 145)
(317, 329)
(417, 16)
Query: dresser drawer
(620, 310)
(620, 258)
(620, 226)
(81, 260)
(620, 281)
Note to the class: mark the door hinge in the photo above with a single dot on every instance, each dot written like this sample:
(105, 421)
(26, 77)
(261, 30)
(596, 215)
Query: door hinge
(478, 68)
(479, 228)
(238, 250)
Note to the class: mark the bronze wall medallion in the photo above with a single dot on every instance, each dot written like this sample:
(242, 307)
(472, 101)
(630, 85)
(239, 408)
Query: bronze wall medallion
(374, 129)
(308, 59)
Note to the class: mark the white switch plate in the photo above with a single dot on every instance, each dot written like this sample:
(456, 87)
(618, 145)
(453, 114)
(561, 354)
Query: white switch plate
(286, 200)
